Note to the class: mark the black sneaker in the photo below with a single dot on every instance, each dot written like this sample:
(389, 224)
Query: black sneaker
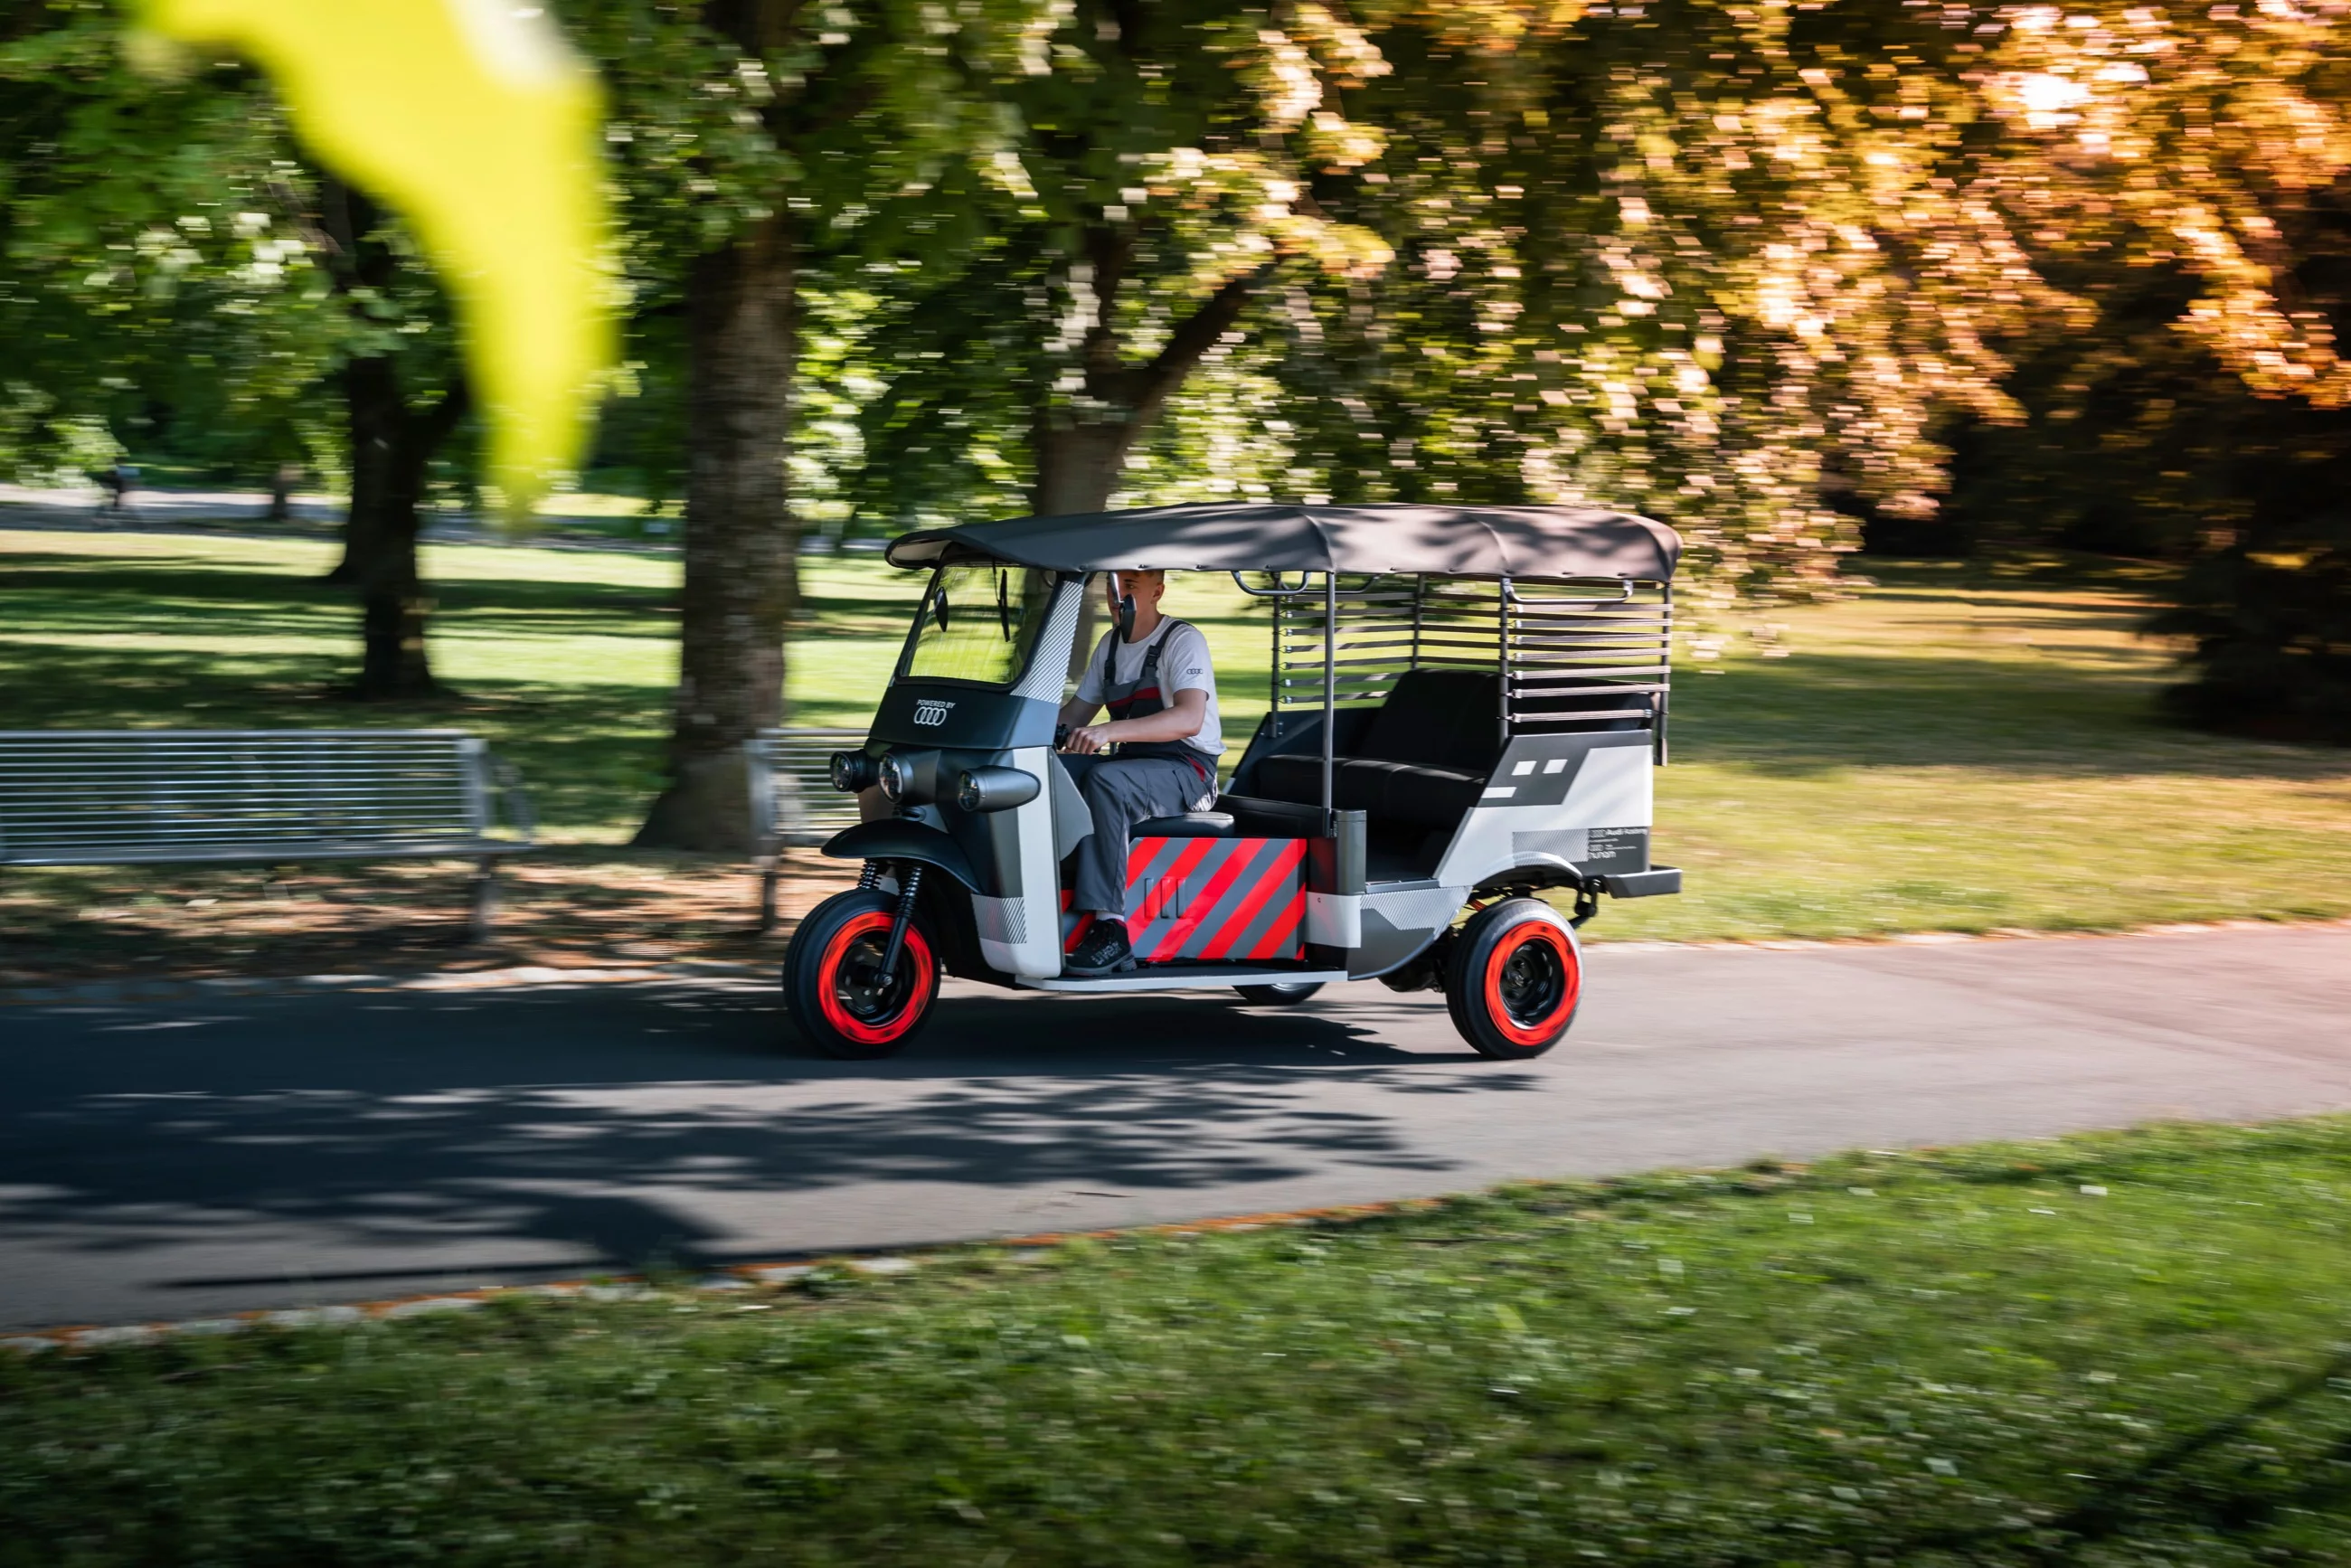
(1105, 951)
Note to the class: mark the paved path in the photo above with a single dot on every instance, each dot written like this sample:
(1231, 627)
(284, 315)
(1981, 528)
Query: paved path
(168, 1161)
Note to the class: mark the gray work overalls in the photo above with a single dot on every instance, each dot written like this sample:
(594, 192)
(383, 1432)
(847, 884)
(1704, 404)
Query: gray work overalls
(1145, 779)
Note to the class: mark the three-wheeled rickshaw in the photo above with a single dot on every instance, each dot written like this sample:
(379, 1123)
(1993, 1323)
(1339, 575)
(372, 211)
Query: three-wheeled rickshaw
(1466, 706)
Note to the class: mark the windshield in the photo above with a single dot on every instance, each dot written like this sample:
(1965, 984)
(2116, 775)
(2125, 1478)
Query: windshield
(979, 623)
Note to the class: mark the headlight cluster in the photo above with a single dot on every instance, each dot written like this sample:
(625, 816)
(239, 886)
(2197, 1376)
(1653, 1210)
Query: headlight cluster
(894, 777)
(852, 771)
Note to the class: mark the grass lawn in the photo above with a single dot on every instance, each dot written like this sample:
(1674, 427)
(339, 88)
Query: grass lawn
(1957, 747)
(2118, 1349)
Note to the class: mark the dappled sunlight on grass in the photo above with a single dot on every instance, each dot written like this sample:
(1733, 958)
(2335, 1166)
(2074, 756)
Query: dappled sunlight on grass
(1958, 749)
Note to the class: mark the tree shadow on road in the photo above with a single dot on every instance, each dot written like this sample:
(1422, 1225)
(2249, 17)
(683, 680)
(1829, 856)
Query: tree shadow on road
(613, 1122)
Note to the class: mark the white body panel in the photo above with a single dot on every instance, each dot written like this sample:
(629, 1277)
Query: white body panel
(1579, 801)
(1022, 936)
(1336, 919)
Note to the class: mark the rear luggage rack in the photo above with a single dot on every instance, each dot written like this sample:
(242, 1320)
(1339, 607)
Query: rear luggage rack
(1573, 655)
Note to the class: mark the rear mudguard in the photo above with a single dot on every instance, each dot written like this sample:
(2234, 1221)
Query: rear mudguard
(900, 840)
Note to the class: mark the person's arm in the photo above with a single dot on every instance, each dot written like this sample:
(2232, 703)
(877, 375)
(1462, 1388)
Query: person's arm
(1077, 712)
(1181, 721)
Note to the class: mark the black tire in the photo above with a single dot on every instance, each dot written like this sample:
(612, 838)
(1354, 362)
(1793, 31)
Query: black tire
(1281, 994)
(835, 1000)
(1514, 979)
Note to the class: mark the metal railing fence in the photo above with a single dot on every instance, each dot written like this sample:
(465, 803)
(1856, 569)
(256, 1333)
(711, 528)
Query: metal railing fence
(793, 802)
(131, 797)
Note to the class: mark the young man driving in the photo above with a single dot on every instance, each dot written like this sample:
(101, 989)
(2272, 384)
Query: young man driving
(1154, 677)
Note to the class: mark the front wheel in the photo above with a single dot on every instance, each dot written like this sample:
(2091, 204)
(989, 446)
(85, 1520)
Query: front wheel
(1514, 979)
(833, 986)
(1281, 994)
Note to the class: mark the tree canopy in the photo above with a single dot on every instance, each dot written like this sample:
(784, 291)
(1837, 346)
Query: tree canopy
(1785, 275)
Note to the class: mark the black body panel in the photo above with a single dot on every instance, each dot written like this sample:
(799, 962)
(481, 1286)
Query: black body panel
(961, 717)
(900, 840)
(1643, 883)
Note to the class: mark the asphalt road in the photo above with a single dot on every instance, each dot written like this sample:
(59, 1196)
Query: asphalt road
(170, 1161)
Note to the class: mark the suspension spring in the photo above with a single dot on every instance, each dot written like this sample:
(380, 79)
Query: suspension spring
(909, 880)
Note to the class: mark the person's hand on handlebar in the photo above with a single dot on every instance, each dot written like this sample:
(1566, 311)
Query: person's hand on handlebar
(1090, 741)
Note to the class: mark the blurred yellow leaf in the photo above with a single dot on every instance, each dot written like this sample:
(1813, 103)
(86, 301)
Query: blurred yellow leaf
(475, 123)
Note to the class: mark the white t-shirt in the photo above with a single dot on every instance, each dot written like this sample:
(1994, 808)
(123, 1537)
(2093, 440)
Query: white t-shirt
(1184, 667)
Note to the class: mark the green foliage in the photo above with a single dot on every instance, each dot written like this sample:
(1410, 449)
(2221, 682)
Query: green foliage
(156, 280)
(1715, 263)
(1167, 168)
(2185, 177)
(2271, 630)
(1751, 269)
(863, 128)
(2106, 1350)
(2141, 443)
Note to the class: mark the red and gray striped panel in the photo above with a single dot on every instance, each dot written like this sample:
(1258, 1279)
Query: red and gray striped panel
(1220, 900)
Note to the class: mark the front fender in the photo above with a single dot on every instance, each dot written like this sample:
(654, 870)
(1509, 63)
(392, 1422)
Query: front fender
(899, 840)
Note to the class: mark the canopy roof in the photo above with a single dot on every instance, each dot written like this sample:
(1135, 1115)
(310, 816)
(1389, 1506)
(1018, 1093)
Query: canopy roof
(1262, 535)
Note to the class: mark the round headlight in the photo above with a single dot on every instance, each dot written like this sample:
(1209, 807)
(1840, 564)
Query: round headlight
(852, 772)
(894, 777)
(995, 789)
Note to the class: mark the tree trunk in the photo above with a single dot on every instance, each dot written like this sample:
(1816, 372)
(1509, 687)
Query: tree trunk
(1078, 468)
(282, 480)
(391, 450)
(1080, 459)
(740, 539)
(367, 497)
(347, 218)
(1078, 464)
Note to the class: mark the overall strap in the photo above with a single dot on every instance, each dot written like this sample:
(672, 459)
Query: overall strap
(1146, 676)
(1149, 673)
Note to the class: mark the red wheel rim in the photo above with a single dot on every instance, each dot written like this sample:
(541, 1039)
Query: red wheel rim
(1533, 980)
(915, 968)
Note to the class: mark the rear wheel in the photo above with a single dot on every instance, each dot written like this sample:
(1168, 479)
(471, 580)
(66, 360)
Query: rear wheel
(1514, 979)
(1281, 994)
(833, 986)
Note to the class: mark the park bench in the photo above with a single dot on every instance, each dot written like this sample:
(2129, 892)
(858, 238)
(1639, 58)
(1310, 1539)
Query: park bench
(162, 796)
(793, 801)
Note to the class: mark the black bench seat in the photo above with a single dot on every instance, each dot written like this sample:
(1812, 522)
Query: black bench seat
(1422, 762)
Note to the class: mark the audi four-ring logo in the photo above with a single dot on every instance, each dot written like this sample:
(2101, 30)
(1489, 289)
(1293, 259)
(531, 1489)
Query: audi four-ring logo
(930, 714)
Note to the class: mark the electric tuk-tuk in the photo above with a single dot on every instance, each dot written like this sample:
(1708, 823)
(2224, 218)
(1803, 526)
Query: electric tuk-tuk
(1466, 705)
